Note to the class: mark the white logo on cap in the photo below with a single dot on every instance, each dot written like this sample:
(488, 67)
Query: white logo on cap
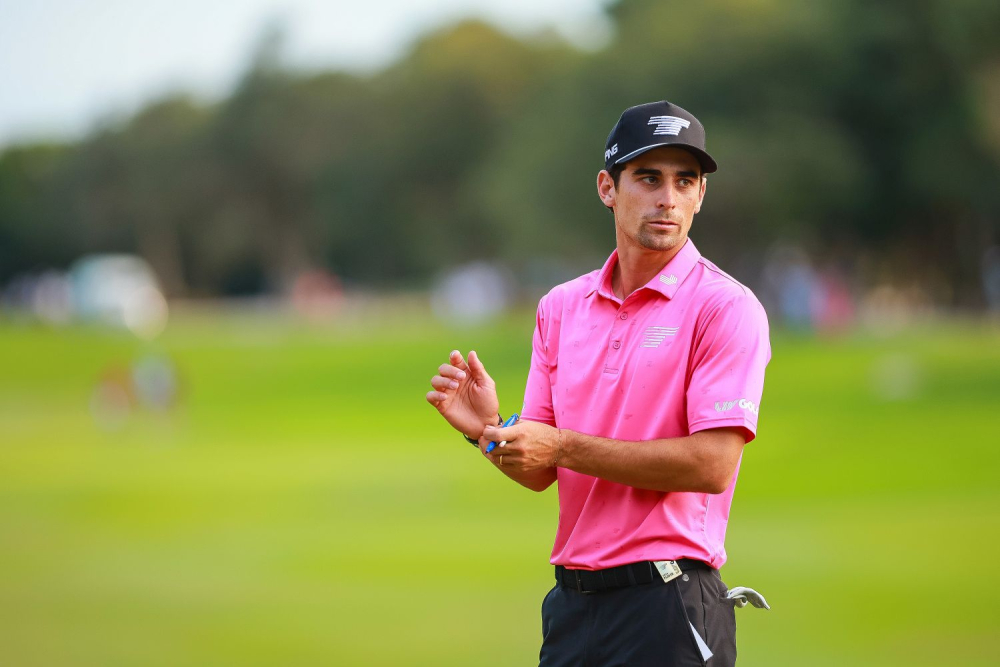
(668, 125)
(611, 151)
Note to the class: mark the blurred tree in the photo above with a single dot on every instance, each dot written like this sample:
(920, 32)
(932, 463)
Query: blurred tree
(36, 228)
(144, 187)
(401, 205)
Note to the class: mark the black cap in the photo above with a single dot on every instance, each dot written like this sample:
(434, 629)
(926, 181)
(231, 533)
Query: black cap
(648, 126)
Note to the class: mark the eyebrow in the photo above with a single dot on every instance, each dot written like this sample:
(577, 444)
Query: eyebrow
(646, 171)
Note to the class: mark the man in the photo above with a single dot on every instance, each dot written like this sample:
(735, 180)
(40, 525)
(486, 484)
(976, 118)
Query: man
(643, 390)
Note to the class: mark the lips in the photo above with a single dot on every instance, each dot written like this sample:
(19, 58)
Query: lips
(663, 224)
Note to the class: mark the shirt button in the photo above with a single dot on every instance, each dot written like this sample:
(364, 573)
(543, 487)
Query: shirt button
(623, 316)
(616, 344)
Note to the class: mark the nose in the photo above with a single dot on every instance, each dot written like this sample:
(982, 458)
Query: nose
(666, 197)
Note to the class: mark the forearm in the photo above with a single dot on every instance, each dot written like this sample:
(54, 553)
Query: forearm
(536, 480)
(702, 462)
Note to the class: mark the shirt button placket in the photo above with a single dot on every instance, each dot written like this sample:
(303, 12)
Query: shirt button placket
(612, 362)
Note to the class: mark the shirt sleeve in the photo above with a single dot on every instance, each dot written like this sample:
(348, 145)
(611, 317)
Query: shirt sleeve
(727, 368)
(538, 391)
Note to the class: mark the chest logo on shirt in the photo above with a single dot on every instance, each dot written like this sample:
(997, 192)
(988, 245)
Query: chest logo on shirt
(653, 336)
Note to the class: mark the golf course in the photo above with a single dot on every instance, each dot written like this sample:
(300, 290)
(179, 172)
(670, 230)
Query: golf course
(295, 501)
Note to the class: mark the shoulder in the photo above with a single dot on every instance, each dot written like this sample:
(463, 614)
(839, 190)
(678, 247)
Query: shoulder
(718, 291)
(567, 293)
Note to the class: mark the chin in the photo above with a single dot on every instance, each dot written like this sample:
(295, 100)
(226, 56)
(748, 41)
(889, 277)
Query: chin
(658, 242)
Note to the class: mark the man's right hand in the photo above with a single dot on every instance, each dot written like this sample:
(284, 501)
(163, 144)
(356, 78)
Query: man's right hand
(465, 394)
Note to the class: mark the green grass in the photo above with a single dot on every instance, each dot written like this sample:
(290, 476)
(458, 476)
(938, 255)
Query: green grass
(303, 505)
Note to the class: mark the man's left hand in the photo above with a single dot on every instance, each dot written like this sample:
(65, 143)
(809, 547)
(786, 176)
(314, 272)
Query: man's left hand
(529, 446)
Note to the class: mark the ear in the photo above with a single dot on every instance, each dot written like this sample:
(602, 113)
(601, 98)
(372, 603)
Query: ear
(701, 194)
(606, 188)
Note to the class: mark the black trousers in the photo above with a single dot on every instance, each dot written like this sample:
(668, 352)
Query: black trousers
(648, 624)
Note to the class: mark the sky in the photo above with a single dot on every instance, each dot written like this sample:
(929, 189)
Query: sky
(66, 65)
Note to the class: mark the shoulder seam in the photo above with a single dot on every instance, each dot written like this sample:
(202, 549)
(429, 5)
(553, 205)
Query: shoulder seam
(715, 269)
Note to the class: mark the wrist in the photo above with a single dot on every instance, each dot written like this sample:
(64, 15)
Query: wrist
(564, 445)
(475, 441)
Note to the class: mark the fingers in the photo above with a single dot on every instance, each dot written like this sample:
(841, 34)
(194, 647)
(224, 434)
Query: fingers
(476, 367)
(435, 398)
(512, 460)
(457, 361)
(443, 384)
(498, 435)
(452, 373)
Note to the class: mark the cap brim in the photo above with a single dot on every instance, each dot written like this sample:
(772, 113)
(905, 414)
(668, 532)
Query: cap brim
(708, 165)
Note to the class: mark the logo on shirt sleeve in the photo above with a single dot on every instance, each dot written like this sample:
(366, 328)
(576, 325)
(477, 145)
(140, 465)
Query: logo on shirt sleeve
(743, 403)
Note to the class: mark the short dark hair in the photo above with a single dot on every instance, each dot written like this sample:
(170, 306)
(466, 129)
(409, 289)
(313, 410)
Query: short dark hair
(616, 172)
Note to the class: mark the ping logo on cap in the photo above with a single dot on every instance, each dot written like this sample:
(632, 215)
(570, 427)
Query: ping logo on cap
(611, 151)
(671, 125)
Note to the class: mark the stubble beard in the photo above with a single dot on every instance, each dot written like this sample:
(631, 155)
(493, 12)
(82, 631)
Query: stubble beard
(652, 240)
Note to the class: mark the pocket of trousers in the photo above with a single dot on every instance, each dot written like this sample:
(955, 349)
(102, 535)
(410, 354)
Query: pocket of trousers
(698, 644)
(545, 617)
(717, 615)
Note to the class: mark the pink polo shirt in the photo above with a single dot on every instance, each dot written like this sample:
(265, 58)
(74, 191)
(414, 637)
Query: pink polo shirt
(684, 353)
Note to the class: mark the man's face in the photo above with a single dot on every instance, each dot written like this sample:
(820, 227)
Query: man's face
(656, 198)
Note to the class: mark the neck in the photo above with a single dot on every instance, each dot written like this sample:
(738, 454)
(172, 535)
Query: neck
(637, 265)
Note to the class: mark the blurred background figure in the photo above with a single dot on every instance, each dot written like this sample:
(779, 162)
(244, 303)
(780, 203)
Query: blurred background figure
(148, 384)
(120, 291)
(317, 295)
(793, 289)
(472, 294)
(991, 278)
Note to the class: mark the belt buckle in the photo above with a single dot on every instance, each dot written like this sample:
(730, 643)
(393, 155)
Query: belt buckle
(579, 584)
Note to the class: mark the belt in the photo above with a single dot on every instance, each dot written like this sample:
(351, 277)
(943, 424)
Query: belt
(633, 574)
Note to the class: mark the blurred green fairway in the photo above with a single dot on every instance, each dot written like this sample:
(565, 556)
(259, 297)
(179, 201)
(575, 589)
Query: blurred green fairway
(304, 506)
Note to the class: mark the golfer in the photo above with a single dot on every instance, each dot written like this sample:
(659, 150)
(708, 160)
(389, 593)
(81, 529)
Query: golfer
(645, 384)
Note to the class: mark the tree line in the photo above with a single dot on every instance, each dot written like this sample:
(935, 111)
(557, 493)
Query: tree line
(867, 133)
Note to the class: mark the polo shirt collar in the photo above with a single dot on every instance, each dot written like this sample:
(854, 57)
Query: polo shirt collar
(666, 282)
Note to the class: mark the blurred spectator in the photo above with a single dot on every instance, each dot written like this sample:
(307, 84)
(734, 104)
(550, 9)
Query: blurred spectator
(888, 309)
(120, 290)
(150, 383)
(317, 295)
(790, 284)
(991, 278)
(47, 296)
(832, 304)
(472, 293)
(112, 400)
(154, 379)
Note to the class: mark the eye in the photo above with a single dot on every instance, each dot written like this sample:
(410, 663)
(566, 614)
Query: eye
(649, 179)
(685, 182)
